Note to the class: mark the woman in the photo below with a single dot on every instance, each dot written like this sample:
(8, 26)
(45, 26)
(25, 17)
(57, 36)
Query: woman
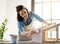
(25, 18)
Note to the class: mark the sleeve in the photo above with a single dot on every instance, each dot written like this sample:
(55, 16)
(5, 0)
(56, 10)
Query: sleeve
(20, 27)
(35, 16)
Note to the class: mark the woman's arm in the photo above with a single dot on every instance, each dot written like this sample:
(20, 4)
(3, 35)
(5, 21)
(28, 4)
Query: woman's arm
(20, 27)
(35, 16)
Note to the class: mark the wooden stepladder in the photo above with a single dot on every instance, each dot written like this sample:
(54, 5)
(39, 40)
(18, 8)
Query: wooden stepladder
(51, 34)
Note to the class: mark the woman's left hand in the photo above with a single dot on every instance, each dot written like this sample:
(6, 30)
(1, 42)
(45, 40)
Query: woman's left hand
(32, 32)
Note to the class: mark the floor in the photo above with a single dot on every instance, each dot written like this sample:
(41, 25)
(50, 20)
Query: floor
(26, 42)
(21, 42)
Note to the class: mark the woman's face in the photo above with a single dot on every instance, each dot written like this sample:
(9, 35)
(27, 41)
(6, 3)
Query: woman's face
(23, 13)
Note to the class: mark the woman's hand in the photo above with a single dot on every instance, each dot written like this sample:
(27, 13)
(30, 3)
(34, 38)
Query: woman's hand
(23, 34)
(26, 34)
(35, 31)
(32, 32)
(45, 22)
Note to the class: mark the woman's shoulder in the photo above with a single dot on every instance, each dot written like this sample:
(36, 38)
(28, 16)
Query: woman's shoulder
(19, 22)
(32, 13)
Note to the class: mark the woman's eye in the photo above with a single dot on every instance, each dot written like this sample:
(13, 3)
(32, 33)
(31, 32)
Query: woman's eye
(21, 14)
(24, 12)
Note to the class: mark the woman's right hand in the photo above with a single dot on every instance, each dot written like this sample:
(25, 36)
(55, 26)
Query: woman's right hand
(25, 34)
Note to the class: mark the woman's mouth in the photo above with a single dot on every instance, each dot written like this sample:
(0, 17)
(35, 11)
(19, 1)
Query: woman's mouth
(25, 16)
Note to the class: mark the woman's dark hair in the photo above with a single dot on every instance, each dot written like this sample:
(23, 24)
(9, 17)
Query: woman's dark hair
(19, 8)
